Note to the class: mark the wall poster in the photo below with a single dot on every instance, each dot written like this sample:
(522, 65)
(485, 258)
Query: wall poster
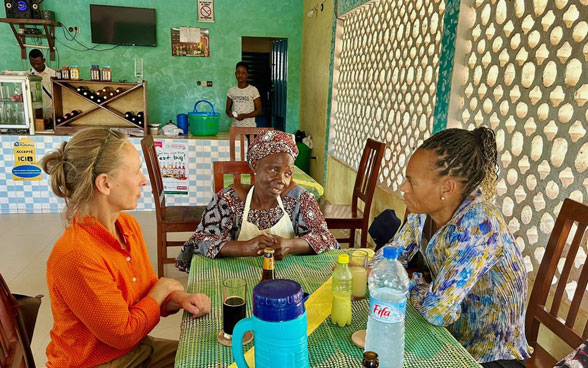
(190, 41)
(26, 167)
(173, 163)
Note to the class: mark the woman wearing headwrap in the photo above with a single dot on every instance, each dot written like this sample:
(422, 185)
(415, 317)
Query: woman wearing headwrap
(242, 220)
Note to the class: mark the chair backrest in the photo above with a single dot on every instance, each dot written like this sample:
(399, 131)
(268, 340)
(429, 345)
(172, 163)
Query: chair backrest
(235, 168)
(367, 174)
(15, 350)
(148, 147)
(572, 214)
(245, 136)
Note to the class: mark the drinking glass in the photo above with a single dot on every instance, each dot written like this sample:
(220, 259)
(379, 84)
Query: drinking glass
(358, 260)
(139, 70)
(234, 304)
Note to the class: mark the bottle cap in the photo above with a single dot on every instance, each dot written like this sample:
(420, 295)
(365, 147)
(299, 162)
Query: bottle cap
(278, 300)
(94, 66)
(106, 66)
(370, 355)
(391, 252)
(343, 258)
(269, 250)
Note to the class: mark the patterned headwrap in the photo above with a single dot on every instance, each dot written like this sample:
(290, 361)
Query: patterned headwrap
(269, 142)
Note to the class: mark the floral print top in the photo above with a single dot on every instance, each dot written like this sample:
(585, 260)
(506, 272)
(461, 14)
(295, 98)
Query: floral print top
(222, 220)
(479, 282)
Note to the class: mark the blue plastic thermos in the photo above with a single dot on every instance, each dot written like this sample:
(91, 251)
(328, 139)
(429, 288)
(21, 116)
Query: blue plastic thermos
(182, 120)
(279, 327)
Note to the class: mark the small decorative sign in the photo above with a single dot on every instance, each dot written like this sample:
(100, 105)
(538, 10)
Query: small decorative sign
(206, 11)
(26, 167)
(174, 166)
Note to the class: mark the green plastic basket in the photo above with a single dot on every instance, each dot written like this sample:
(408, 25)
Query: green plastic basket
(203, 123)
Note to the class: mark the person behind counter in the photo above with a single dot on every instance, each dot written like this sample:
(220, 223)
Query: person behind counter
(479, 282)
(243, 101)
(39, 68)
(105, 296)
(241, 220)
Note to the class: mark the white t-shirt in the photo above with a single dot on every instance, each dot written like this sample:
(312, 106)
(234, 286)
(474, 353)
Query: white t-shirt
(47, 74)
(243, 104)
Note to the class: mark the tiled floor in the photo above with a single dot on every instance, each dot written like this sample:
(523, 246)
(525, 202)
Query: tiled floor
(26, 245)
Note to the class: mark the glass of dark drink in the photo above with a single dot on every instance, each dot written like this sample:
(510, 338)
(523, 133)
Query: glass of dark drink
(234, 304)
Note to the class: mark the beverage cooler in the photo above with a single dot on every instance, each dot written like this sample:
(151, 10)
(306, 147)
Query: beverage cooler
(21, 101)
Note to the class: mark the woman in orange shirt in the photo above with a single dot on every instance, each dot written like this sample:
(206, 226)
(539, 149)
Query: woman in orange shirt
(105, 296)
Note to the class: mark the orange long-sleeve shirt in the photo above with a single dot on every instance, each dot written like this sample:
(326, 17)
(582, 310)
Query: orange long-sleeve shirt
(99, 294)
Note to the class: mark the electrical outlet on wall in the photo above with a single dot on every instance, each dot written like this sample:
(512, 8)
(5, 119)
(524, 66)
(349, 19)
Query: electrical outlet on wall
(74, 29)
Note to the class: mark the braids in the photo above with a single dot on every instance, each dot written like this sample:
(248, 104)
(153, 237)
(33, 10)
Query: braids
(469, 156)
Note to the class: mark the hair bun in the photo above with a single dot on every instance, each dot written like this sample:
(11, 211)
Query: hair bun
(54, 165)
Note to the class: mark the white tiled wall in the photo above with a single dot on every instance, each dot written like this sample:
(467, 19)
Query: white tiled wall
(37, 197)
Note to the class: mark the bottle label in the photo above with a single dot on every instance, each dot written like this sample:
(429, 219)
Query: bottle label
(387, 312)
(268, 263)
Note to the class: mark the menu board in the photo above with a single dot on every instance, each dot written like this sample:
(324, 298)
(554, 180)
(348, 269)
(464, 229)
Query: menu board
(190, 41)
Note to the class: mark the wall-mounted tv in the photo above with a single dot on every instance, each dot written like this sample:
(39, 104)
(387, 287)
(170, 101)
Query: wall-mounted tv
(121, 25)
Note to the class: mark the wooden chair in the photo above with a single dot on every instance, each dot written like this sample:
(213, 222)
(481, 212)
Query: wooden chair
(537, 313)
(349, 216)
(235, 168)
(170, 219)
(15, 349)
(245, 136)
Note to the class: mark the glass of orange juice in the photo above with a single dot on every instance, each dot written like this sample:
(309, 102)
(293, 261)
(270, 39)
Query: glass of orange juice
(358, 260)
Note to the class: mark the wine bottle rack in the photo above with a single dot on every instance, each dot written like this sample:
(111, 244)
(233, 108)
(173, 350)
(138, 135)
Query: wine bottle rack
(109, 113)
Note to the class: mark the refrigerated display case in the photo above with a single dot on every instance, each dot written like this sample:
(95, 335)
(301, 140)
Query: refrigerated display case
(21, 101)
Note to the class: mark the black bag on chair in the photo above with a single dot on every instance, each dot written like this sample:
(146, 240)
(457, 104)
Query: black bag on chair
(384, 227)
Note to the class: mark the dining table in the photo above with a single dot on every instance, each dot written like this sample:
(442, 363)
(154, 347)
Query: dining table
(329, 345)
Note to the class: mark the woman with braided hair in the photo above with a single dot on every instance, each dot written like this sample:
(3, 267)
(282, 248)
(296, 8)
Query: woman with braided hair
(479, 282)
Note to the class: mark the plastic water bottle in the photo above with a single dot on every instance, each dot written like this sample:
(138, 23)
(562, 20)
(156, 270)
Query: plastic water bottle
(388, 286)
(342, 278)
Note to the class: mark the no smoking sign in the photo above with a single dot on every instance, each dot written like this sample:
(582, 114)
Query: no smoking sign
(206, 11)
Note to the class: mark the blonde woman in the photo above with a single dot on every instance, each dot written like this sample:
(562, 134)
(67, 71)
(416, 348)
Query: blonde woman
(105, 296)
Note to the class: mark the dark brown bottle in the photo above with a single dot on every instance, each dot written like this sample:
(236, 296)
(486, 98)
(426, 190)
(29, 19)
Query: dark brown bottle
(370, 360)
(269, 270)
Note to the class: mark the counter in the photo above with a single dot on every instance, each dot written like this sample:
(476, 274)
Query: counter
(37, 197)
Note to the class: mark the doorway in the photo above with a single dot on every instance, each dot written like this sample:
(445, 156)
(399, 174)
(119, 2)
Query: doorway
(267, 59)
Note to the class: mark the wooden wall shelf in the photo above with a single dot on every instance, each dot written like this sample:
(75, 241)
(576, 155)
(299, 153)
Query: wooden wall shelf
(107, 113)
(49, 34)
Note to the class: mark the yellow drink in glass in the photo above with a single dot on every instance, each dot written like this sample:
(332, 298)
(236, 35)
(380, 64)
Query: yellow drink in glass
(359, 284)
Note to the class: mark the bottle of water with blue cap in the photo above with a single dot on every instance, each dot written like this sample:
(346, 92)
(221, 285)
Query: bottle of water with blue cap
(388, 287)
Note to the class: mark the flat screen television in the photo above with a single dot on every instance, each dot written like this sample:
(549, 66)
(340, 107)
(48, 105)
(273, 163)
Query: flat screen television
(121, 25)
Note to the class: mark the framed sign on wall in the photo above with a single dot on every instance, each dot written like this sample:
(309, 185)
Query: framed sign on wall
(190, 41)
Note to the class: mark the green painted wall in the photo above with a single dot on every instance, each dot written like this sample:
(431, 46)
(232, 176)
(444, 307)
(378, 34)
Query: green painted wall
(315, 79)
(172, 80)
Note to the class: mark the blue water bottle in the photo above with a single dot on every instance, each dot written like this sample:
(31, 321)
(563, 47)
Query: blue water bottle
(182, 122)
(279, 327)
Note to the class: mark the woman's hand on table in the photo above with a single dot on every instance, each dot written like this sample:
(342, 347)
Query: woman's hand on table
(283, 247)
(255, 246)
(197, 304)
(163, 287)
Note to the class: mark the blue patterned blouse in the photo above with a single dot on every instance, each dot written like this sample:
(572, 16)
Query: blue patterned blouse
(479, 282)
